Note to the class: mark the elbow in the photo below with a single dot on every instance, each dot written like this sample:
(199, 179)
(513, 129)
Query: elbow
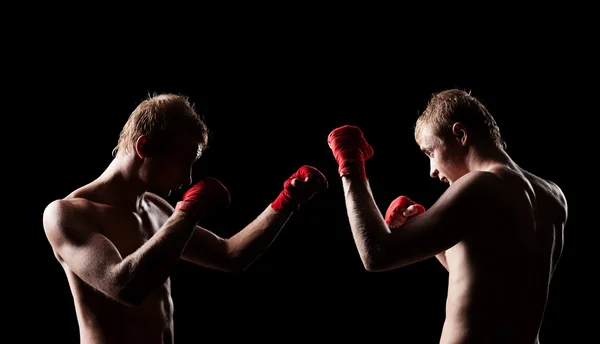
(234, 268)
(131, 299)
(236, 260)
(374, 254)
(126, 291)
(239, 270)
(372, 265)
(133, 294)
(369, 266)
(129, 296)
(379, 266)
(237, 265)
(123, 294)
(372, 262)
(379, 260)
(370, 255)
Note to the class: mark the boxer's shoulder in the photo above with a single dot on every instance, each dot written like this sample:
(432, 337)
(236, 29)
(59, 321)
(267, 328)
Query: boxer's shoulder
(70, 215)
(477, 192)
(475, 184)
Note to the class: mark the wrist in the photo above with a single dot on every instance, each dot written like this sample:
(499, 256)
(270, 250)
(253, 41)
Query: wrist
(184, 216)
(354, 168)
(284, 202)
(187, 207)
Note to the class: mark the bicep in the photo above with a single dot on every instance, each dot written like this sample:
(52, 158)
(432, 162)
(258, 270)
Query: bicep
(421, 237)
(458, 212)
(86, 252)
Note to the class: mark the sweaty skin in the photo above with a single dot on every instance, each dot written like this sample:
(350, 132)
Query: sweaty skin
(499, 265)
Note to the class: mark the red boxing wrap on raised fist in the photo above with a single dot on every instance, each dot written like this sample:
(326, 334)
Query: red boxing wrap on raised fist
(399, 205)
(208, 195)
(310, 181)
(350, 150)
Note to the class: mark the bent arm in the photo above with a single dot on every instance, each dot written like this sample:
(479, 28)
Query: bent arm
(79, 244)
(241, 250)
(424, 236)
(366, 221)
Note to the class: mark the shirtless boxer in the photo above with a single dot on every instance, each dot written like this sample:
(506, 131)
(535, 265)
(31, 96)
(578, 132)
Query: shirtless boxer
(118, 240)
(497, 229)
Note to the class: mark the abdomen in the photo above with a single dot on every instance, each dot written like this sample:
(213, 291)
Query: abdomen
(104, 320)
(493, 298)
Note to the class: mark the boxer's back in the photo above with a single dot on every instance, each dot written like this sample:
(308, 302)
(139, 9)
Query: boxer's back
(500, 274)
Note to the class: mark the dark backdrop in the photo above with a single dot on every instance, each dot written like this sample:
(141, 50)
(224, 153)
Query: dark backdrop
(268, 115)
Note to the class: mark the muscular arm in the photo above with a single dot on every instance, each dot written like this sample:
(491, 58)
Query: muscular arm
(451, 218)
(241, 250)
(73, 234)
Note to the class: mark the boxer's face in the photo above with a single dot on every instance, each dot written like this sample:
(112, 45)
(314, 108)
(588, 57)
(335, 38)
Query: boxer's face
(171, 168)
(444, 161)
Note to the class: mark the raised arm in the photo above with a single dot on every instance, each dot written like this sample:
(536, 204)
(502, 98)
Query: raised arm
(239, 251)
(399, 211)
(420, 237)
(452, 217)
(72, 230)
(236, 253)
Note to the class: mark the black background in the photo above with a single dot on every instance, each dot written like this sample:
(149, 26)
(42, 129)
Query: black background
(270, 108)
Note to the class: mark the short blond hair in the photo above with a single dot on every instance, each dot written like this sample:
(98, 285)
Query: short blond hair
(161, 117)
(450, 106)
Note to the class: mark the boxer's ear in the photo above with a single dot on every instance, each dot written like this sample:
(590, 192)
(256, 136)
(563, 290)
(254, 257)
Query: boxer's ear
(460, 133)
(142, 146)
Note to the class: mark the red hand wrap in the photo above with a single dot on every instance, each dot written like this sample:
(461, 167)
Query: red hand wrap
(401, 202)
(207, 194)
(291, 196)
(350, 150)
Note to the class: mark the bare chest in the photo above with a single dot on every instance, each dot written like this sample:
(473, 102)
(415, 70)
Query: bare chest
(129, 231)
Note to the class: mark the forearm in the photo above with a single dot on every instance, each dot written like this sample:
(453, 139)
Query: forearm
(145, 270)
(366, 222)
(241, 250)
(248, 244)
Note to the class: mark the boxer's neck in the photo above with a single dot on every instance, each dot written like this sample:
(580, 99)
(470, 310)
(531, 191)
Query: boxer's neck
(122, 184)
(486, 158)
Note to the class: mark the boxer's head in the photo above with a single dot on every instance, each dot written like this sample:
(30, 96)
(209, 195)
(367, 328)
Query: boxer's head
(452, 121)
(166, 134)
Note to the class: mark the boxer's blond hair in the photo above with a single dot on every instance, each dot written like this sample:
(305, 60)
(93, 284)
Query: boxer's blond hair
(162, 117)
(450, 106)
